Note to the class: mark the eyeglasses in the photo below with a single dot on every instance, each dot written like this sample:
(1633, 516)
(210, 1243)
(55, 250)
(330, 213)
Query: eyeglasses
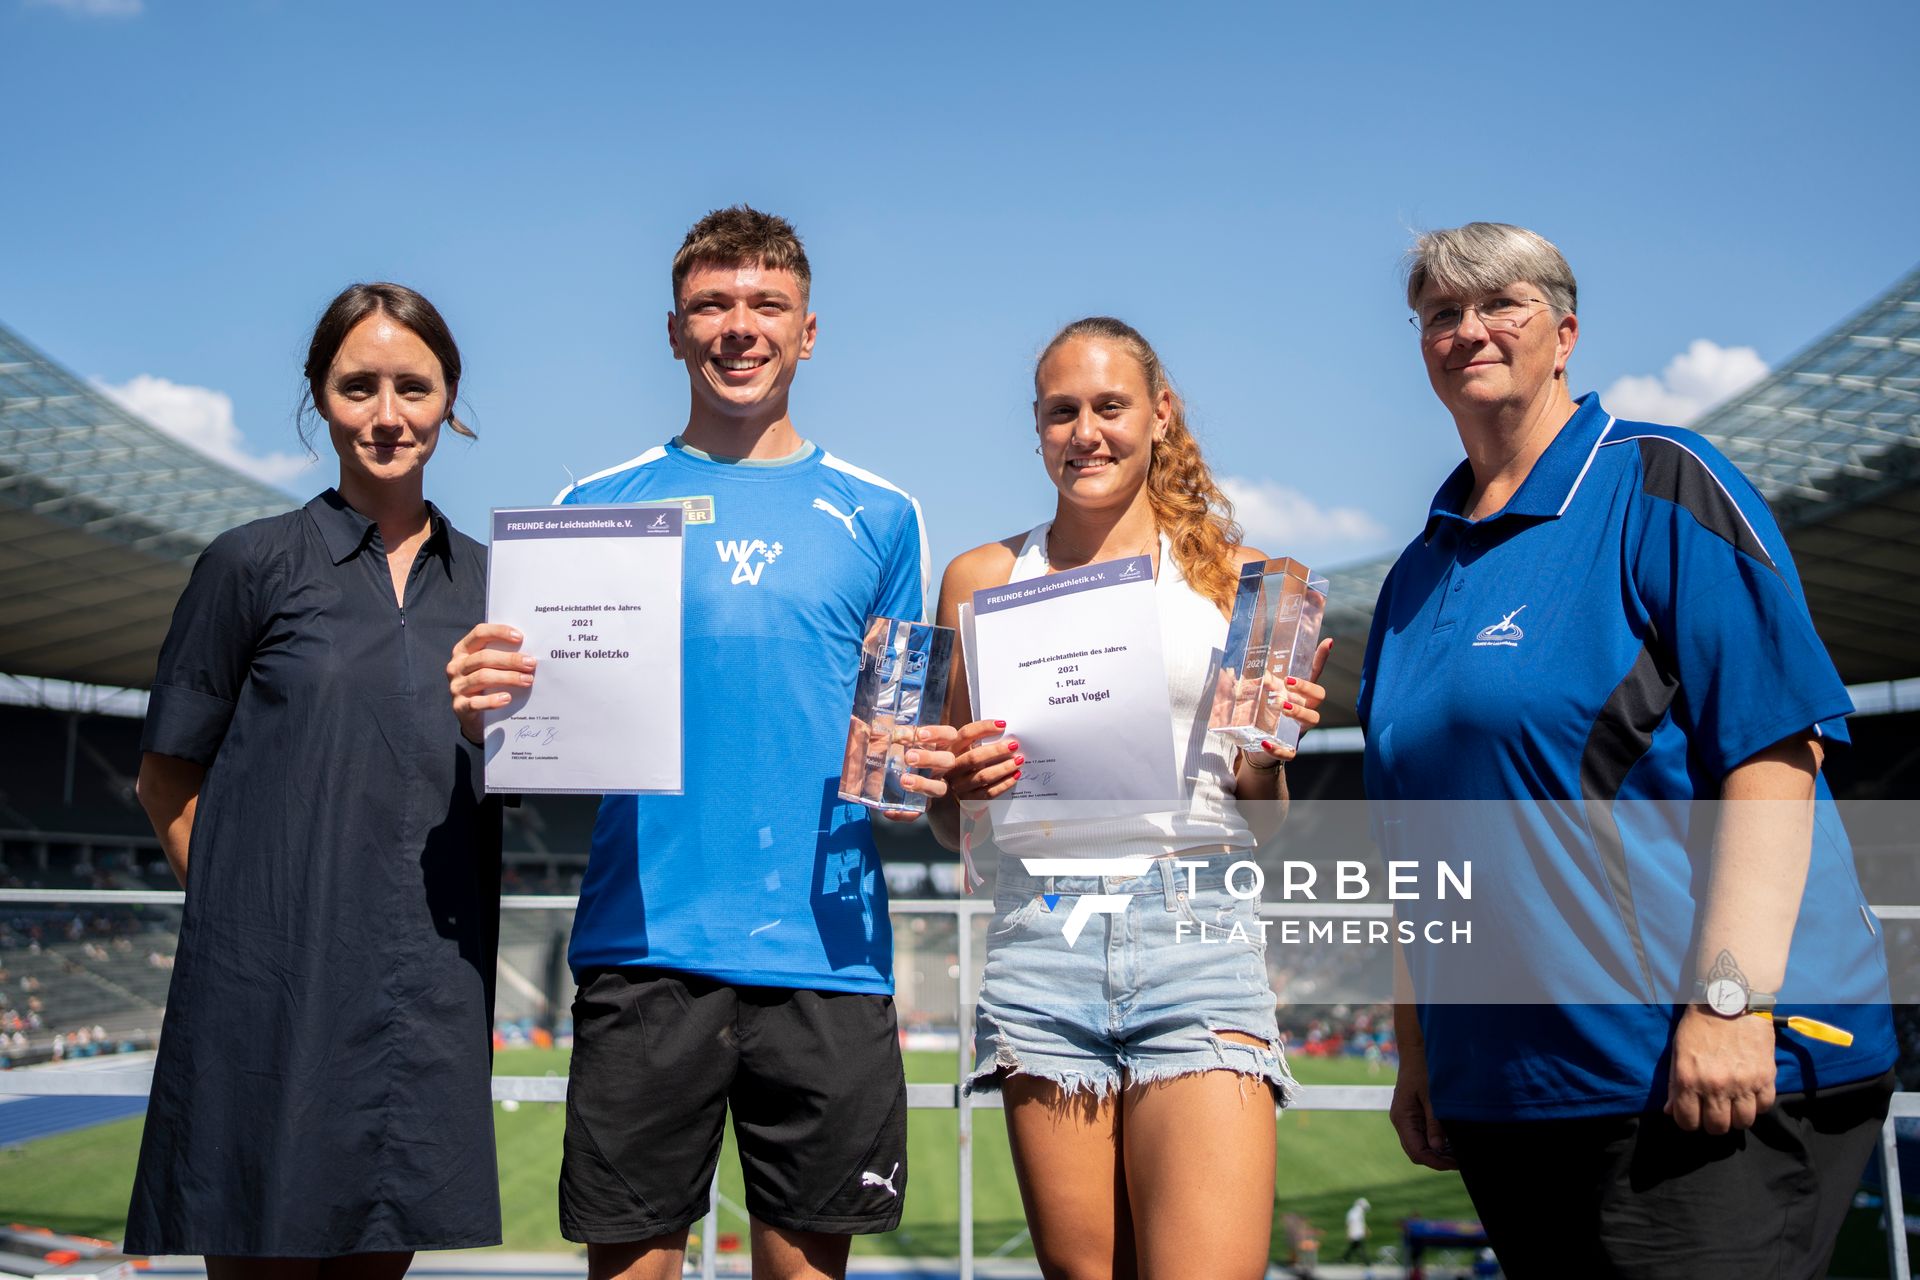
(1443, 318)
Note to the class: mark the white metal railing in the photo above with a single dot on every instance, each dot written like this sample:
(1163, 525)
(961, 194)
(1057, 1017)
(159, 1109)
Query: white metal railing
(106, 1081)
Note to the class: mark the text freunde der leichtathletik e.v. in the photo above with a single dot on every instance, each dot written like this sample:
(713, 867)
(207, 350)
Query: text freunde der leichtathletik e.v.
(1246, 881)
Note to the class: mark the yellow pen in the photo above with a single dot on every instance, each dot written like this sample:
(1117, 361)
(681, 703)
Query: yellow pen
(1811, 1028)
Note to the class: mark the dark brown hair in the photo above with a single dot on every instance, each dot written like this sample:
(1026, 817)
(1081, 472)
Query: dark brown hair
(406, 308)
(738, 236)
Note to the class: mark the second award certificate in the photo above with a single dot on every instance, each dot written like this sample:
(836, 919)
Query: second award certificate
(596, 592)
(1072, 662)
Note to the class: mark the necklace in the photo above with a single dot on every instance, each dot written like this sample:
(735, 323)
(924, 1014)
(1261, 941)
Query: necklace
(1046, 553)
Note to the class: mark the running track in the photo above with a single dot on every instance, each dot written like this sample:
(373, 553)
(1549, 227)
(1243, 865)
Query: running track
(24, 1119)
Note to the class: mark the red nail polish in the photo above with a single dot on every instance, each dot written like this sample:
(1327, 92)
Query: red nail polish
(1013, 745)
(1016, 773)
(1271, 748)
(1291, 680)
(1286, 706)
(1019, 759)
(999, 724)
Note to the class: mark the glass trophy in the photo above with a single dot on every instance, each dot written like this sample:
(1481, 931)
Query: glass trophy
(1275, 628)
(902, 685)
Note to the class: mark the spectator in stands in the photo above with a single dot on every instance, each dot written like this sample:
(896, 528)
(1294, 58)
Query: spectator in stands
(1598, 625)
(1113, 1057)
(322, 1097)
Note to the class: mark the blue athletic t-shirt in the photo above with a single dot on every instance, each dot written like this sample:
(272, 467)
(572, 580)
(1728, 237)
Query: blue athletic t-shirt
(759, 874)
(1567, 676)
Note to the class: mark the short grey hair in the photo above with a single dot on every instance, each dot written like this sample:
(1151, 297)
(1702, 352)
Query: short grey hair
(1485, 257)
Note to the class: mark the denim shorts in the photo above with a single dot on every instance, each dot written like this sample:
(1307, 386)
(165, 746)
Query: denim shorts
(1140, 995)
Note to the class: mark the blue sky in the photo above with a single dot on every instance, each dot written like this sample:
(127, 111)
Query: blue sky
(187, 184)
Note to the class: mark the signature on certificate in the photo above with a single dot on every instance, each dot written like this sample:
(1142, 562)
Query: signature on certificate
(539, 735)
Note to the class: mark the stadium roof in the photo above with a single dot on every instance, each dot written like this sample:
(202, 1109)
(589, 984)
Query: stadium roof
(1832, 440)
(101, 517)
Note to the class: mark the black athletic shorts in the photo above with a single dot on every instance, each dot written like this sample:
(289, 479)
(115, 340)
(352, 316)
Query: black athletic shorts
(1637, 1198)
(813, 1078)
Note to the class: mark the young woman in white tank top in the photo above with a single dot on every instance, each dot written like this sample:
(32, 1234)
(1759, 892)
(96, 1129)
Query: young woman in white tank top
(1126, 1059)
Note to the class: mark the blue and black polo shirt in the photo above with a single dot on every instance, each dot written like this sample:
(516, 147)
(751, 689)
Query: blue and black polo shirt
(1545, 693)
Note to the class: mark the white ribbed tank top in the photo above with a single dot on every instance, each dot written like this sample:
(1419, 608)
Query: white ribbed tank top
(1192, 633)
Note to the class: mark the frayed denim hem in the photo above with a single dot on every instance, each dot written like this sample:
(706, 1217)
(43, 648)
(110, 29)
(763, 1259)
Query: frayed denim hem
(1273, 1074)
(1266, 1063)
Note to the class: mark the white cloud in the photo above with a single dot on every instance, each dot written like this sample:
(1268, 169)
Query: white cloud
(1286, 522)
(95, 8)
(1694, 381)
(203, 418)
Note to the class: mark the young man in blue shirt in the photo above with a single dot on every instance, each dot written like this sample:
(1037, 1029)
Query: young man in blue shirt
(732, 943)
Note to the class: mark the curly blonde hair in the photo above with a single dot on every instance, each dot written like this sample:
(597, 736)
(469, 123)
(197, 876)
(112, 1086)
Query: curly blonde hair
(1187, 505)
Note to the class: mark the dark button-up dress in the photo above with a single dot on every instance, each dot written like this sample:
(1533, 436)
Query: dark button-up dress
(322, 1083)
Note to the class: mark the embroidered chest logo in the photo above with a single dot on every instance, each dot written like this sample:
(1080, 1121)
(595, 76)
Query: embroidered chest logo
(749, 558)
(1504, 632)
(821, 504)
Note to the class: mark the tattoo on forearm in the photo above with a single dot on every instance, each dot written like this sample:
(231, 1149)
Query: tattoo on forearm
(1724, 967)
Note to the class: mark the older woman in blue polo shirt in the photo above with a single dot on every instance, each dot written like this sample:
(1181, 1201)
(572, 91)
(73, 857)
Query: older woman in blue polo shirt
(1598, 624)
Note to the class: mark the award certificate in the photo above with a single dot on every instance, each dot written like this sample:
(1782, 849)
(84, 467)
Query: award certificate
(596, 592)
(1072, 662)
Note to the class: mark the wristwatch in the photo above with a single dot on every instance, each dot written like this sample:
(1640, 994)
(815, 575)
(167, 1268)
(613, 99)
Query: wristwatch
(1732, 998)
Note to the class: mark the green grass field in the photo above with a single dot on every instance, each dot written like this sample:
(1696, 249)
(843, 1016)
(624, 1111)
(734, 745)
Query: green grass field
(80, 1181)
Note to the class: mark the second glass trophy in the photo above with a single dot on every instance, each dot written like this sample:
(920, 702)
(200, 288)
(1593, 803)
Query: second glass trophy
(902, 685)
(1275, 628)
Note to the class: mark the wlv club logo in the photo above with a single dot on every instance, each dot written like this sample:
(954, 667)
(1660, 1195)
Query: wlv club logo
(1504, 632)
(1087, 905)
(659, 523)
(740, 553)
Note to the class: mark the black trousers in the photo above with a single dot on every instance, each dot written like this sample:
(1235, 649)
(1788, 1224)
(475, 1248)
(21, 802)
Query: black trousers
(1636, 1198)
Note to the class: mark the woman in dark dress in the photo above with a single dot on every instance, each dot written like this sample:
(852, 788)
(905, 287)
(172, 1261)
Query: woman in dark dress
(321, 1107)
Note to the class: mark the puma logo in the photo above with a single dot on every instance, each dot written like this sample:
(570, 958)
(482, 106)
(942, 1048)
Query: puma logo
(821, 504)
(874, 1179)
